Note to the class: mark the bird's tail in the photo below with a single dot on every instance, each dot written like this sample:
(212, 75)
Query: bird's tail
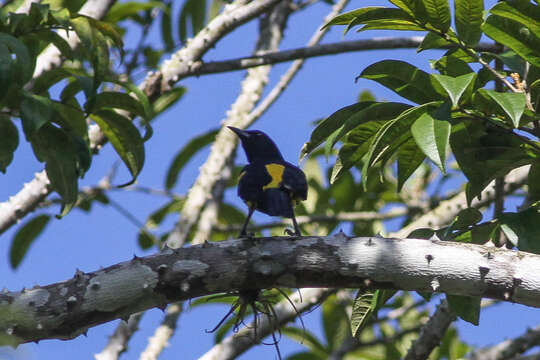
(277, 202)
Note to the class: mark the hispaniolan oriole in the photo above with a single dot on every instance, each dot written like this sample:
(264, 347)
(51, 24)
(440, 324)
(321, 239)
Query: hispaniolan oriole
(268, 183)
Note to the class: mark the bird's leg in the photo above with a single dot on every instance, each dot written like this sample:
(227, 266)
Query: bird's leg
(296, 227)
(243, 232)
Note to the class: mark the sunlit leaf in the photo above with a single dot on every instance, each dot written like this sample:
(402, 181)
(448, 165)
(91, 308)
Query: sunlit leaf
(125, 138)
(403, 78)
(431, 131)
(468, 19)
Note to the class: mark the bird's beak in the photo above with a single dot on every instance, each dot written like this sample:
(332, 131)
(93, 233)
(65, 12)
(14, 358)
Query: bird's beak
(242, 134)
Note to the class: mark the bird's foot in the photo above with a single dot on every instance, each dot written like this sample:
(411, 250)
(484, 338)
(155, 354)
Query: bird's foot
(246, 235)
(290, 232)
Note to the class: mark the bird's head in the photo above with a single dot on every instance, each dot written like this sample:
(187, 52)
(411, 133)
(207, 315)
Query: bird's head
(257, 145)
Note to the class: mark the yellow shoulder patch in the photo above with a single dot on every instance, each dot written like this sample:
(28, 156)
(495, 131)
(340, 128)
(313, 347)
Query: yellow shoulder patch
(276, 172)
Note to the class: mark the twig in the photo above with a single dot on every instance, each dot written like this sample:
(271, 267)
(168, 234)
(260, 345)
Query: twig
(163, 333)
(510, 348)
(431, 333)
(118, 341)
(202, 68)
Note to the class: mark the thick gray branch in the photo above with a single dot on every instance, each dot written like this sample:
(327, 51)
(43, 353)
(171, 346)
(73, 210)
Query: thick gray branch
(65, 310)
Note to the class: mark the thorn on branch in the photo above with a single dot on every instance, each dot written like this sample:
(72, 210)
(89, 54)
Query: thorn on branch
(483, 271)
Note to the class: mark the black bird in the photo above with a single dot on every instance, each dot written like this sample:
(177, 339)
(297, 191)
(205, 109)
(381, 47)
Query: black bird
(268, 183)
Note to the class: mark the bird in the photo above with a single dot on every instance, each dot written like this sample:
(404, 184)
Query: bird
(268, 183)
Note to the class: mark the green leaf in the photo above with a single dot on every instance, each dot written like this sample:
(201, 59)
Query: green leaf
(465, 218)
(24, 237)
(94, 46)
(335, 322)
(390, 132)
(167, 99)
(415, 8)
(513, 104)
(52, 37)
(64, 162)
(409, 158)
(455, 86)
(533, 182)
(9, 140)
(146, 240)
(6, 63)
(421, 233)
(522, 11)
(469, 19)
(522, 230)
(515, 36)
(433, 41)
(484, 153)
(396, 25)
(23, 64)
(157, 217)
(479, 234)
(382, 111)
(36, 111)
(354, 149)
(125, 139)
(115, 100)
(403, 78)
(185, 154)
(431, 131)
(366, 304)
(438, 13)
(123, 10)
(466, 307)
(329, 125)
(307, 339)
(193, 11)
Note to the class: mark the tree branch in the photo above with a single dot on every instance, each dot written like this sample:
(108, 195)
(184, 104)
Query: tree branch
(118, 341)
(66, 309)
(432, 333)
(203, 68)
(510, 348)
(163, 333)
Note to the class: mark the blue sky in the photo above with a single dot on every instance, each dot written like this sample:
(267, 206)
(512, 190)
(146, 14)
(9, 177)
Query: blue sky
(104, 237)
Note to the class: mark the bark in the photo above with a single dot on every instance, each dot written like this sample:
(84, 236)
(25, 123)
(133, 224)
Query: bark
(66, 309)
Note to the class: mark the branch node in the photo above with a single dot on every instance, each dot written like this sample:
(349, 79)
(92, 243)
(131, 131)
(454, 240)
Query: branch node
(489, 255)
(95, 286)
(429, 258)
(517, 281)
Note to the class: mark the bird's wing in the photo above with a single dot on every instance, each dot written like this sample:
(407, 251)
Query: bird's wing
(294, 180)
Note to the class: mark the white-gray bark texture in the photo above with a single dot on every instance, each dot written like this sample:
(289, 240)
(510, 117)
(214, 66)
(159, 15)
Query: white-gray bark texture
(66, 309)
